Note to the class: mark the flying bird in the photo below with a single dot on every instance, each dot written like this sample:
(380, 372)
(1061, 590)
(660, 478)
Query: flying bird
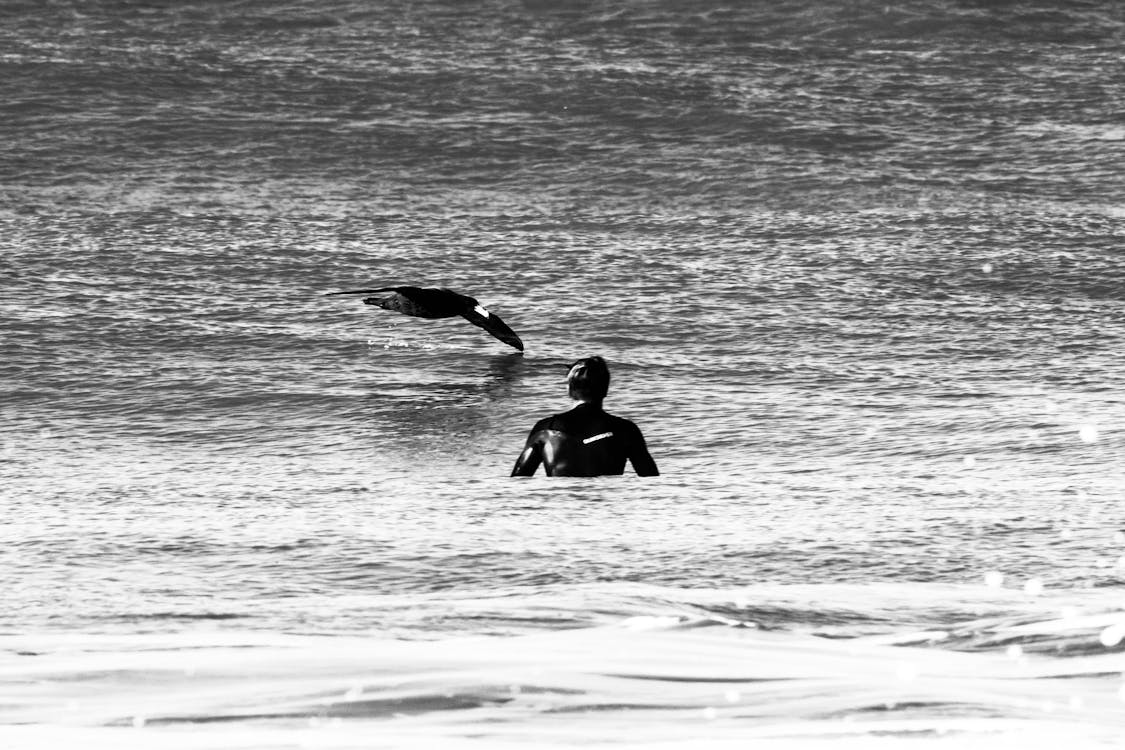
(429, 302)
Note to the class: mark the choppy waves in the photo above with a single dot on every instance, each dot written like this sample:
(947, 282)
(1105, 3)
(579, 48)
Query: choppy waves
(427, 104)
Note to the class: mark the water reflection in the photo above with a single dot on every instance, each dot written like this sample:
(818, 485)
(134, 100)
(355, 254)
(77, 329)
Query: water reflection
(504, 370)
(446, 406)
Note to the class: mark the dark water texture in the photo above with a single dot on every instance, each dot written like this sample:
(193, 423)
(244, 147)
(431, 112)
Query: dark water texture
(590, 108)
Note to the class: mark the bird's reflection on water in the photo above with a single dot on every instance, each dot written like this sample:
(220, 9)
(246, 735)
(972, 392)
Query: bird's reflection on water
(504, 370)
(448, 406)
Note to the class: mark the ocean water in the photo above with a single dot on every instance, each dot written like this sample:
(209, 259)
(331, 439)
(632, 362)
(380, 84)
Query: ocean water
(857, 270)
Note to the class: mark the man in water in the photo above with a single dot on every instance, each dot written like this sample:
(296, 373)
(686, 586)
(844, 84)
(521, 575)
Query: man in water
(585, 441)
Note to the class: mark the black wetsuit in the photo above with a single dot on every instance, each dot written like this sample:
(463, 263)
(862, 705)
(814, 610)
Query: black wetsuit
(586, 441)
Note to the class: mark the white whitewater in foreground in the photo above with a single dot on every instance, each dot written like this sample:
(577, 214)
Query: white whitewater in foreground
(648, 681)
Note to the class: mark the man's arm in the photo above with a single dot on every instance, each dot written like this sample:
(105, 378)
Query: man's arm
(639, 456)
(531, 457)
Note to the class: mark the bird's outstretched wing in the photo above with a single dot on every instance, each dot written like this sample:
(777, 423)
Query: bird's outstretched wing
(416, 301)
(426, 302)
(478, 316)
(365, 291)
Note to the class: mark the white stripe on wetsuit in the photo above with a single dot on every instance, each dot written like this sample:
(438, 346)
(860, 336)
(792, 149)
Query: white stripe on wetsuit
(595, 438)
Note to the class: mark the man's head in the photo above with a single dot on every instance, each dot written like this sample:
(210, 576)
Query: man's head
(588, 379)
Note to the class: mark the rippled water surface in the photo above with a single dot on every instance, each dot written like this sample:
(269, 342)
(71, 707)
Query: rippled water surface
(856, 268)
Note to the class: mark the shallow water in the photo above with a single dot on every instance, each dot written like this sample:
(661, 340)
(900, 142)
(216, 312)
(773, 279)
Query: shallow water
(855, 268)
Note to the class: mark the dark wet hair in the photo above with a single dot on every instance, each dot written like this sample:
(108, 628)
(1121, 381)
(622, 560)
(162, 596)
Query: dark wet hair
(588, 379)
